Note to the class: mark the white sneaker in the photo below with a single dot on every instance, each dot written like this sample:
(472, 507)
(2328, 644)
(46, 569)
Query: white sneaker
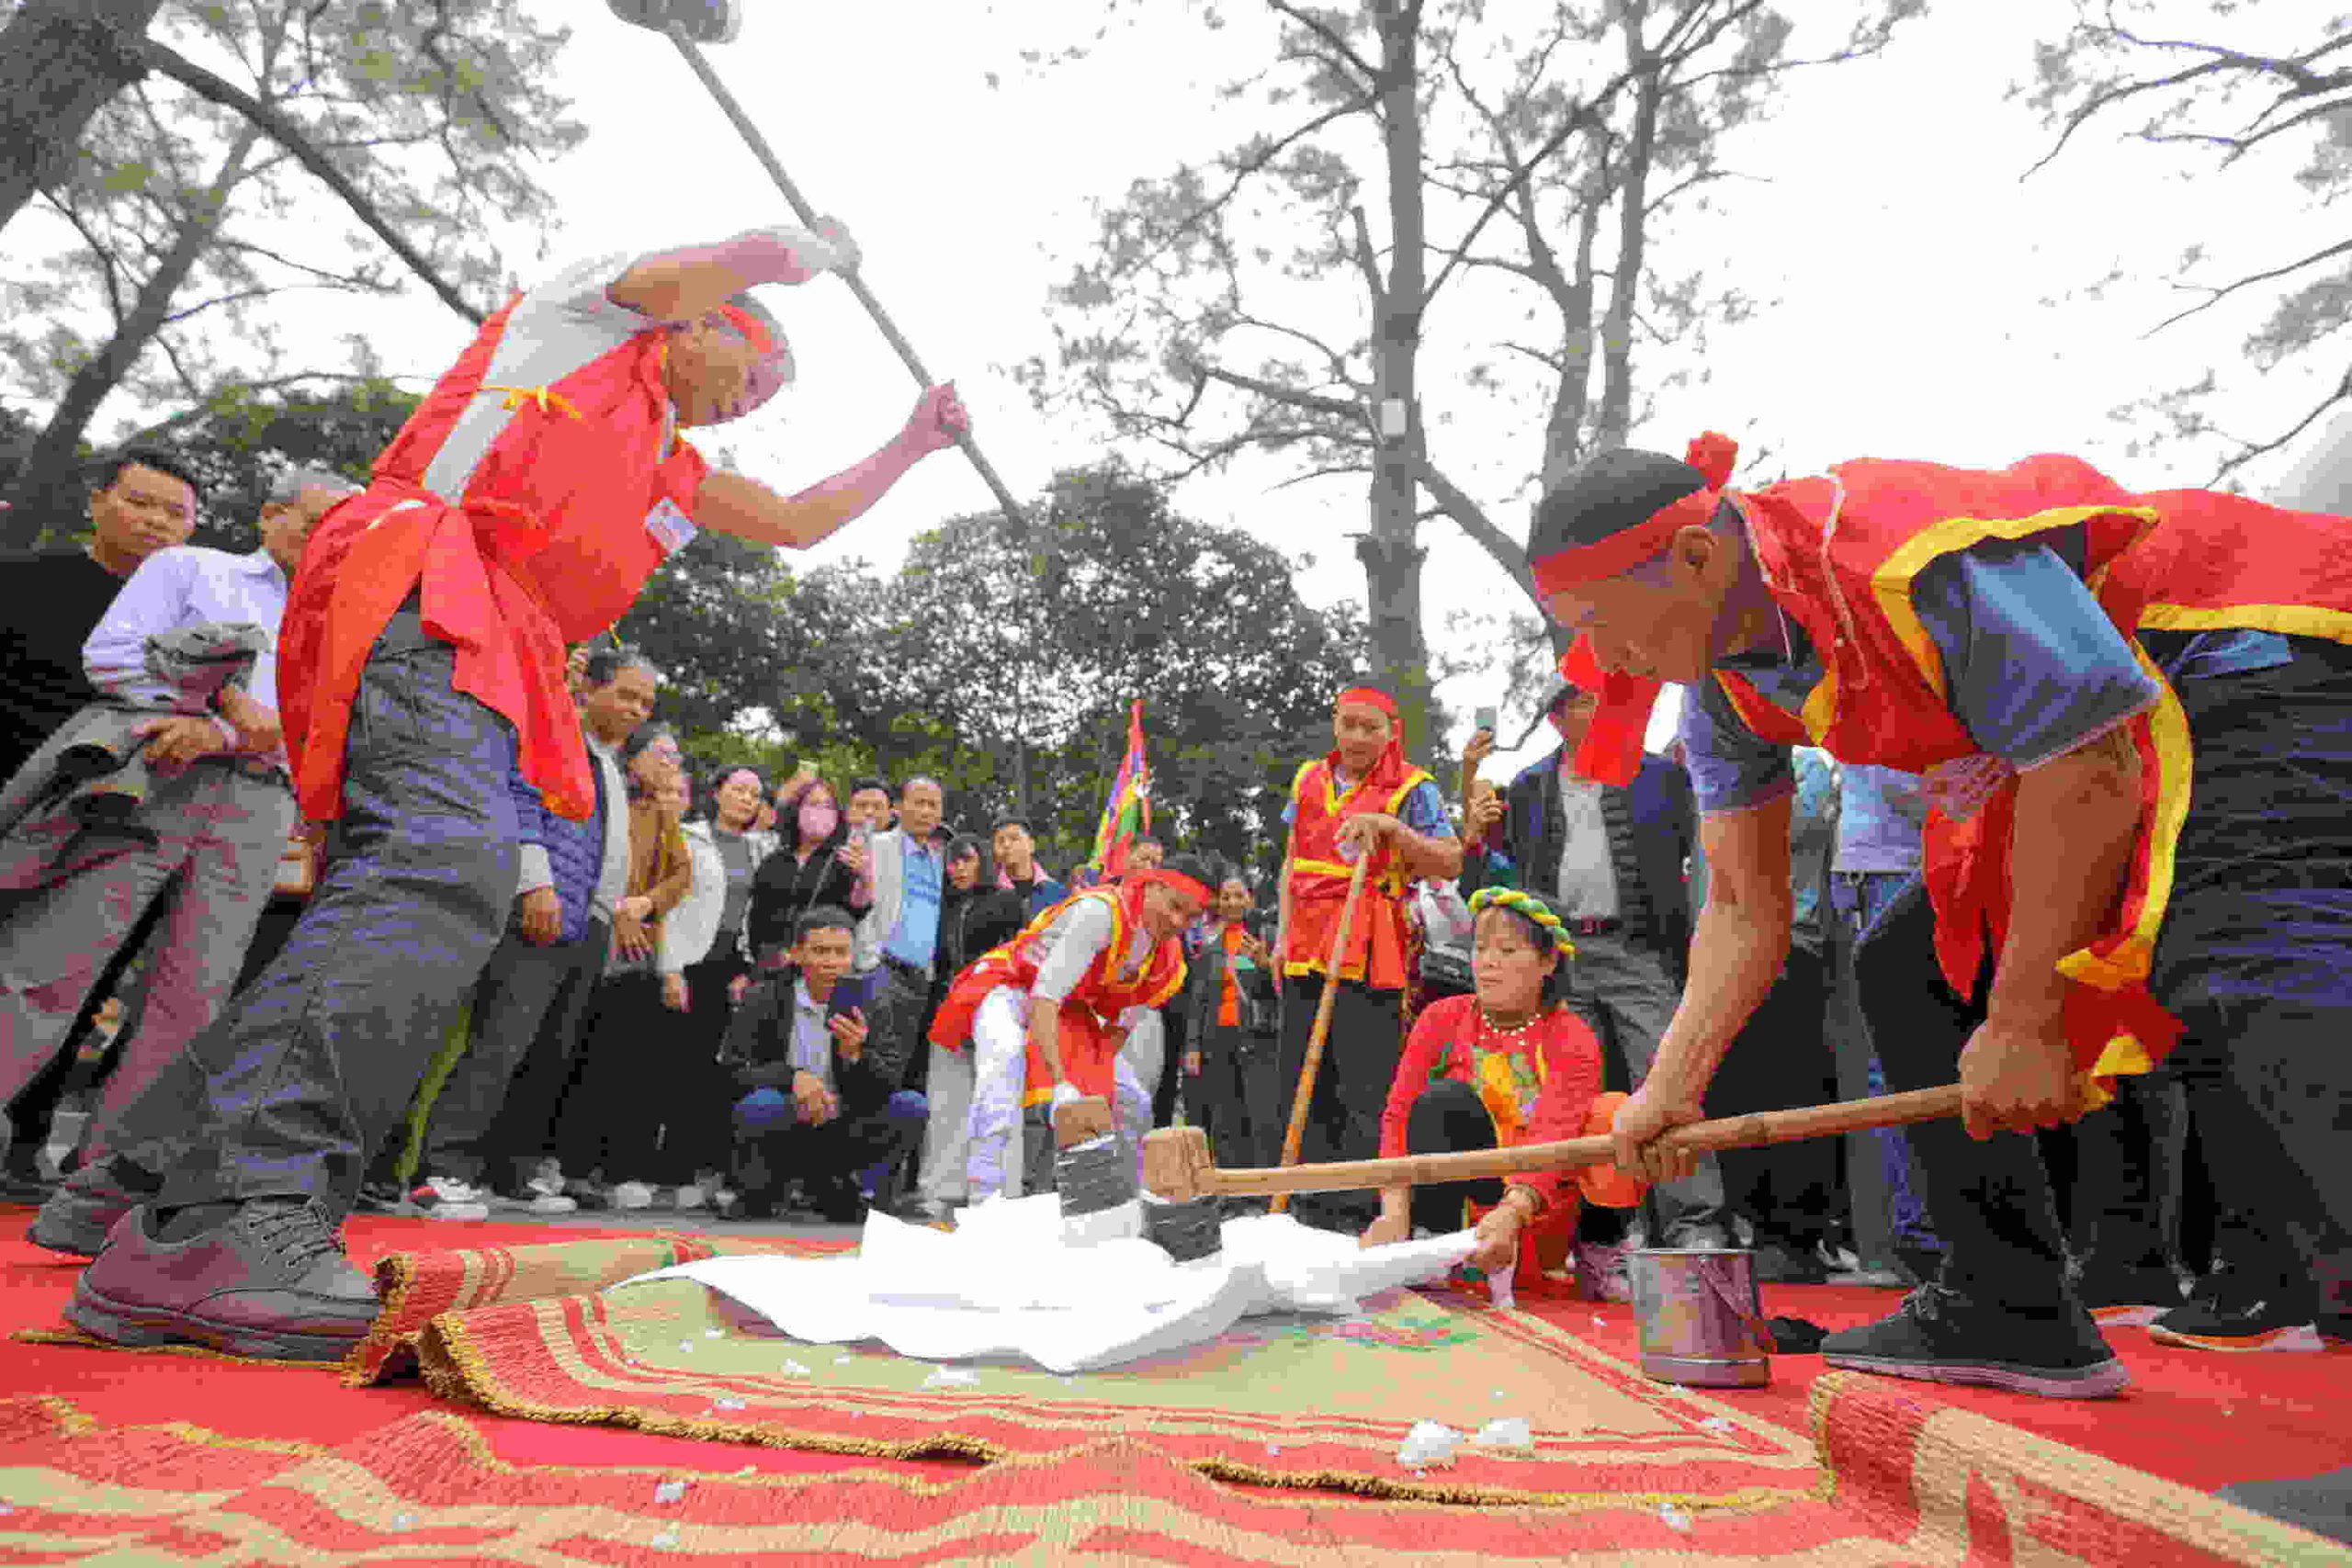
(546, 1194)
(632, 1195)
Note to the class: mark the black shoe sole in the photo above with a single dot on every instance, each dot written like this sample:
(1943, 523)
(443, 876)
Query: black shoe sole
(125, 1324)
(2101, 1379)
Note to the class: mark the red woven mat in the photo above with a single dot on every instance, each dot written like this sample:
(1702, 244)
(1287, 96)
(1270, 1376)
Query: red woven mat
(427, 1487)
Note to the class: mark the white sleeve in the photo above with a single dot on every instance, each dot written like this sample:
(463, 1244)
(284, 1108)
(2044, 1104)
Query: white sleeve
(1077, 938)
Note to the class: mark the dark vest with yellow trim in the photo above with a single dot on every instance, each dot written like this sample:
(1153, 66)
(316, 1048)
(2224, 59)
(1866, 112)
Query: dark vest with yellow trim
(1319, 883)
(1841, 552)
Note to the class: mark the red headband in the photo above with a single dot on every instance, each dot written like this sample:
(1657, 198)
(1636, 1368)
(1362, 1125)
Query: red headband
(1369, 697)
(754, 331)
(1177, 880)
(1712, 456)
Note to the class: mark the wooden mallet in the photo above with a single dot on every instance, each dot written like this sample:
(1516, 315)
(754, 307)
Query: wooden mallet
(1176, 1166)
(1297, 1135)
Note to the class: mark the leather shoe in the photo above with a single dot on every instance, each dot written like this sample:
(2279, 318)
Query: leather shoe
(268, 1281)
(78, 1217)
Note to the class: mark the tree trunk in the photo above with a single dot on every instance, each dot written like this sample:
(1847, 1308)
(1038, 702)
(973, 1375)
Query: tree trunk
(1391, 557)
(58, 67)
(47, 485)
(1632, 219)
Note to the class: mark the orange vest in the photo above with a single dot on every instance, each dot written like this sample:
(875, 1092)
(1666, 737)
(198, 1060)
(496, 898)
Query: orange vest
(549, 545)
(1319, 878)
(1841, 554)
(1090, 1010)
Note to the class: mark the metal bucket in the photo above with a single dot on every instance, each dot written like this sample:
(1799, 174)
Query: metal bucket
(1701, 1320)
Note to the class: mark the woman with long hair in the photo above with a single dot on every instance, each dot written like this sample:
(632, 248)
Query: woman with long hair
(1510, 1063)
(817, 861)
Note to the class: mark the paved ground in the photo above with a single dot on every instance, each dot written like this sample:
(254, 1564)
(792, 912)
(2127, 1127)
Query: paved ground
(696, 1222)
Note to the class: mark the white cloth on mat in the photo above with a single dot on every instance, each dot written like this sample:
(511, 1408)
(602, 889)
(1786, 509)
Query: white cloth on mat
(1008, 1283)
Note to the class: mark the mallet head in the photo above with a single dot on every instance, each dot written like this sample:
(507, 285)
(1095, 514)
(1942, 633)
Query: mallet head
(1176, 1166)
(703, 21)
(1083, 1121)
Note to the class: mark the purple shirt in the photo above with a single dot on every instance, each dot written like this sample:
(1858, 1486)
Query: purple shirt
(2032, 669)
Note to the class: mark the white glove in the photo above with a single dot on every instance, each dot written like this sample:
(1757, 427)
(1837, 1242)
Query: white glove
(1066, 1094)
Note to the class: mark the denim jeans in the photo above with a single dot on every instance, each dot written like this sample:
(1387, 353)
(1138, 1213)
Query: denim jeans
(299, 1082)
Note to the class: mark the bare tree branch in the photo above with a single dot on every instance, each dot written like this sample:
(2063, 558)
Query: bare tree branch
(1331, 40)
(2218, 295)
(1275, 391)
(2337, 394)
(289, 135)
(1472, 519)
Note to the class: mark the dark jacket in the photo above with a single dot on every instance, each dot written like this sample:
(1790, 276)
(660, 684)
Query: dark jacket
(1043, 893)
(783, 889)
(1653, 831)
(575, 848)
(1205, 981)
(758, 1048)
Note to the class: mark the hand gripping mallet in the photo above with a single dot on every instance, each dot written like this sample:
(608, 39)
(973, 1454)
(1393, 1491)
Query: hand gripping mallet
(691, 23)
(1297, 1135)
(1176, 1166)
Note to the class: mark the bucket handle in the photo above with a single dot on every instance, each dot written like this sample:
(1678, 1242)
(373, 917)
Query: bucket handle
(1753, 1324)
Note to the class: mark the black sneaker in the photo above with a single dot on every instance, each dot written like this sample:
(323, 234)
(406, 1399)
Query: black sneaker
(2130, 1300)
(1939, 1336)
(1787, 1263)
(2232, 1311)
(839, 1202)
(269, 1280)
(381, 1198)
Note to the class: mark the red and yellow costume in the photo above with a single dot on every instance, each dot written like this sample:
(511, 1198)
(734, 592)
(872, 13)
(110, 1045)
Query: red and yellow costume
(549, 545)
(1377, 941)
(1542, 1085)
(1089, 1013)
(1841, 553)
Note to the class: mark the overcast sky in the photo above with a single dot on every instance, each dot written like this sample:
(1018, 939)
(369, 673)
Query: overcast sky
(1926, 300)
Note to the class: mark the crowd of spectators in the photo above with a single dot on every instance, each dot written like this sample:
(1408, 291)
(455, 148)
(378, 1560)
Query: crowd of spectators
(715, 993)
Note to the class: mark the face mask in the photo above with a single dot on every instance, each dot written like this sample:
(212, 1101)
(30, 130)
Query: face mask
(819, 820)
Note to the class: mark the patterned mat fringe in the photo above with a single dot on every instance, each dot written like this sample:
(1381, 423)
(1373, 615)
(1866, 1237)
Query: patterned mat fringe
(431, 1486)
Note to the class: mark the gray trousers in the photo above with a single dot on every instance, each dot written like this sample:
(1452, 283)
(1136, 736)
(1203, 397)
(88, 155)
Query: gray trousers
(531, 1001)
(220, 827)
(1623, 989)
(300, 1079)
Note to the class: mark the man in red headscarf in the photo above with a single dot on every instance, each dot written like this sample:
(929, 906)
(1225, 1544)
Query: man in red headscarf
(1363, 798)
(522, 507)
(2134, 712)
(1046, 1015)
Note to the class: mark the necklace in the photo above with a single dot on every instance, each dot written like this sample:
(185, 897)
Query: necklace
(1491, 1025)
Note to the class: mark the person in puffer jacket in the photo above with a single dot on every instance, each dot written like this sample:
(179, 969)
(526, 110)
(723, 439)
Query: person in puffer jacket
(489, 1130)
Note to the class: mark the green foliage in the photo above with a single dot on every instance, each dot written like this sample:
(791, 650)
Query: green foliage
(239, 440)
(178, 225)
(1001, 661)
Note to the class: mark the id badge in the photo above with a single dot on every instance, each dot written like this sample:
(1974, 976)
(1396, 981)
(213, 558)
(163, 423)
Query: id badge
(670, 528)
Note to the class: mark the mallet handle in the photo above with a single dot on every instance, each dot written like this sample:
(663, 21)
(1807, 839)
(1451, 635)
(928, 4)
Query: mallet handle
(1296, 1132)
(1748, 1132)
(808, 214)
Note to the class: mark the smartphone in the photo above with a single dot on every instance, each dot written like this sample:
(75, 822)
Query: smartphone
(854, 993)
(1484, 718)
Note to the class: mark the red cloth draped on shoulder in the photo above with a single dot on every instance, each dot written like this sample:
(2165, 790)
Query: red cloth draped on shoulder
(549, 544)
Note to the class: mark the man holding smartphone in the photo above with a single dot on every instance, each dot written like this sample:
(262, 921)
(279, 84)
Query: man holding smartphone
(820, 1073)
